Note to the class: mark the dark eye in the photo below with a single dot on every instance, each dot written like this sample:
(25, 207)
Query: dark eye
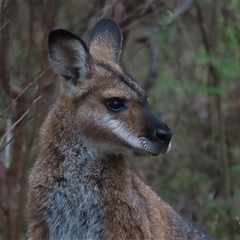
(115, 104)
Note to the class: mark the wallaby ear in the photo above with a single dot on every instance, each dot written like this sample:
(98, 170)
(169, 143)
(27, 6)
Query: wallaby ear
(106, 40)
(68, 54)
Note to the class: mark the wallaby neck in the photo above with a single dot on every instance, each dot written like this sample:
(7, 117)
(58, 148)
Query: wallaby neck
(82, 181)
(70, 151)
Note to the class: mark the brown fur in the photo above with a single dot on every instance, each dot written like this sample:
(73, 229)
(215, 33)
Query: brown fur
(81, 186)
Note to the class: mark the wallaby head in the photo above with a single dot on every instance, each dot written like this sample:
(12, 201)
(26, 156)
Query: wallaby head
(110, 107)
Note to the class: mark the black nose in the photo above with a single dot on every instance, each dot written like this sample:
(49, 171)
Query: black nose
(163, 135)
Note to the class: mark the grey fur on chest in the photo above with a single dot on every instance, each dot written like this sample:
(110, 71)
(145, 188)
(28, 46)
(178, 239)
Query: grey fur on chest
(74, 214)
(73, 208)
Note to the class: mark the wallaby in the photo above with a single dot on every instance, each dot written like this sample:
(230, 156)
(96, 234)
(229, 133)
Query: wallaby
(81, 186)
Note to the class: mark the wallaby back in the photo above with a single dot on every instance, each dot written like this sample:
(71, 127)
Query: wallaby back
(81, 186)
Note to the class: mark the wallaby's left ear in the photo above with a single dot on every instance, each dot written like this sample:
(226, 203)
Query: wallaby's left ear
(68, 54)
(106, 40)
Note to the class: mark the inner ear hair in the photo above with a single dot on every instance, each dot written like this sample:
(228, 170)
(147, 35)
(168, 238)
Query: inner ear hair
(68, 54)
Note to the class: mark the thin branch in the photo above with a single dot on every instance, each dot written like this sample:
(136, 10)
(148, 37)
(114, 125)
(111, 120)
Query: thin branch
(8, 88)
(6, 161)
(23, 127)
(24, 114)
(182, 8)
(3, 210)
(24, 90)
(10, 129)
(5, 24)
(153, 50)
(153, 61)
(218, 98)
(153, 65)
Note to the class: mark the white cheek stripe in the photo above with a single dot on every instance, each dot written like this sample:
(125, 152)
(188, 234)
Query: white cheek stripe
(169, 146)
(121, 131)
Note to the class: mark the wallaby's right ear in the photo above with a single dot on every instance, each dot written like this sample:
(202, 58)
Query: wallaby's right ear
(68, 54)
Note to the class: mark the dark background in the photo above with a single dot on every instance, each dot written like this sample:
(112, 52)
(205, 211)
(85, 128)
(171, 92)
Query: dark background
(184, 53)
